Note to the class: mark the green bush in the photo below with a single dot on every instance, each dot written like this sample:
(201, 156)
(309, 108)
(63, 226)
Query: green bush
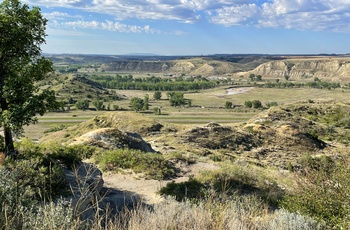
(152, 164)
(323, 192)
(230, 180)
(24, 184)
(54, 152)
(69, 155)
(191, 189)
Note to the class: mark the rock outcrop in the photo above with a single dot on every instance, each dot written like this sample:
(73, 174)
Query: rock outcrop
(139, 66)
(85, 182)
(196, 66)
(330, 68)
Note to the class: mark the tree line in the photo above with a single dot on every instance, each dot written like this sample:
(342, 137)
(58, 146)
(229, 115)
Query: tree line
(154, 83)
(315, 84)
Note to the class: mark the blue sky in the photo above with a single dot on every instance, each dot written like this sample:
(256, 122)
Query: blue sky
(196, 27)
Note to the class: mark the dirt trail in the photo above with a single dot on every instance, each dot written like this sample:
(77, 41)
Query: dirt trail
(123, 189)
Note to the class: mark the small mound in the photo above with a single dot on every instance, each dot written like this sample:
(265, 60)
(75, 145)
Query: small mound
(109, 138)
(215, 136)
(126, 122)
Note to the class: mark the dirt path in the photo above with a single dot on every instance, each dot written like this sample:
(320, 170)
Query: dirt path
(123, 189)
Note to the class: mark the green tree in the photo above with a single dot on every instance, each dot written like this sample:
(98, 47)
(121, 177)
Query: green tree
(82, 104)
(176, 98)
(228, 104)
(256, 104)
(248, 104)
(157, 111)
(115, 107)
(286, 77)
(271, 104)
(157, 95)
(136, 103)
(189, 102)
(145, 102)
(22, 32)
(98, 105)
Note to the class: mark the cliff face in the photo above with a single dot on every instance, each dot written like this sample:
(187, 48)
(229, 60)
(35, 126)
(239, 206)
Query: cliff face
(163, 67)
(193, 66)
(139, 66)
(336, 69)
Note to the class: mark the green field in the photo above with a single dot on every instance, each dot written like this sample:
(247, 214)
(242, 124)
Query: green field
(207, 106)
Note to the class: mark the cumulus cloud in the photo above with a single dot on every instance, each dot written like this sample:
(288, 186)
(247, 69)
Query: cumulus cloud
(56, 15)
(111, 26)
(306, 14)
(297, 14)
(235, 15)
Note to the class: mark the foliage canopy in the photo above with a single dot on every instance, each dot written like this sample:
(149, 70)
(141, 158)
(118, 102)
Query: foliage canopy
(22, 31)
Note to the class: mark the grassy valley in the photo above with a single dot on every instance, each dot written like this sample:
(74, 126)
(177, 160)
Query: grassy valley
(245, 151)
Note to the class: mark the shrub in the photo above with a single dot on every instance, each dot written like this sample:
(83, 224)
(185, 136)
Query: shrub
(321, 193)
(137, 104)
(228, 104)
(52, 215)
(282, 219)
(157, 95)
(231, 180)
(271, 104)
(37, 177)
(157, 111)
(152, 164)
(256, 104)
(248, 104)
(82, 104)
(54, 152)
(185, 190)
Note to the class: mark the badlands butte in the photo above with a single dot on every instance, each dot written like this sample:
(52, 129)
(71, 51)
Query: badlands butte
(334, 68)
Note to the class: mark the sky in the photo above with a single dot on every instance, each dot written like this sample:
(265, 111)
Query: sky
(196, 27)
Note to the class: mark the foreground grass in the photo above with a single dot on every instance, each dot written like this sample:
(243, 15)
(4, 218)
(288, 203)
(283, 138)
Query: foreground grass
(240, 213)
(238, 196)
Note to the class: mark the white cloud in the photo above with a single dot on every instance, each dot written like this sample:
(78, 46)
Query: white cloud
(297, 14)
(234, 15)
(306, 14)
(56, 15)
(111, 26)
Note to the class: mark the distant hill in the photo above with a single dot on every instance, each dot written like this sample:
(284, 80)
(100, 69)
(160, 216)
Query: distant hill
(329, 68)
(77, 88)
(336, 67)
(206, 65)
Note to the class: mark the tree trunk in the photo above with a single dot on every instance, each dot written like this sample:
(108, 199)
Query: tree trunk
(9, 147)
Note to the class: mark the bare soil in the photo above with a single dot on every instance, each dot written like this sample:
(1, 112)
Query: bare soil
(125, 188)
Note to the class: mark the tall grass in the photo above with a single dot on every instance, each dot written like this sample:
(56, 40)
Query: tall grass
(215, 211)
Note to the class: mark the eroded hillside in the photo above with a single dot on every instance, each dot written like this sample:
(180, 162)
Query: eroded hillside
(330, 68)
(275, 137)
(194, 66)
